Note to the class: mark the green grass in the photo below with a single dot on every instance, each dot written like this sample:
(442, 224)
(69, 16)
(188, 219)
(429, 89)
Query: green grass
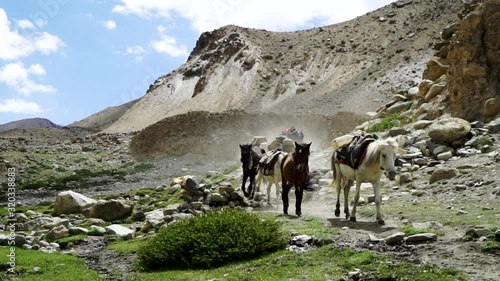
(76, 239)
(55, 266)
(388, 122)
(142, 167)
(325, 263)
(230, 169)
(127, 246)
(491, 247)
(311, 226)
(410, 230)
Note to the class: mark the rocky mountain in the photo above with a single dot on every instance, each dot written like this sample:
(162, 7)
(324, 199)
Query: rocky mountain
(28, 124)
(354, 66)
(104, 118)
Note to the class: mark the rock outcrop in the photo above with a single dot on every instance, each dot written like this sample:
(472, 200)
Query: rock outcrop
(474, 62)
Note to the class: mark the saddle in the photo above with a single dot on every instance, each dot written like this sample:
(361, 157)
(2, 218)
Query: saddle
(354, 153)
(266, 163)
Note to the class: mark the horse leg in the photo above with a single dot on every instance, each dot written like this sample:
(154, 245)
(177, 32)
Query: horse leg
(336, 181)
(284, 197)
(299, 192)
(278, 188)
(347, 189)
(269, 184)
(356, 199)
(376, 189)
(251, 187)
(245, 177)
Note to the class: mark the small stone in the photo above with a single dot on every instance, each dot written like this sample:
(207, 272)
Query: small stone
(422, 237)
(395, 238)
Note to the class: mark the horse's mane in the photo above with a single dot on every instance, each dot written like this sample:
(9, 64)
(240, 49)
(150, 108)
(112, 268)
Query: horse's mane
(373, 150)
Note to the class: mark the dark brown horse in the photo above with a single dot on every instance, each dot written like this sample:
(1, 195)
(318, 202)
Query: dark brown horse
(294, 172)
(249, 162)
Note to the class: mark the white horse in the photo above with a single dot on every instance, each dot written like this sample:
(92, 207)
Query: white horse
(272, 179)
(380, 157)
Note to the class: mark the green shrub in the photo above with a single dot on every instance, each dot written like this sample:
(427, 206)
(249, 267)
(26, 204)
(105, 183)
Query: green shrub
(490, 246)
(388, 122)
(211, 240)
(482, 142)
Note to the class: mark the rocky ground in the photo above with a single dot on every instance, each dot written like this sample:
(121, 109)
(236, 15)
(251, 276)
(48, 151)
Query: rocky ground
(455, 197)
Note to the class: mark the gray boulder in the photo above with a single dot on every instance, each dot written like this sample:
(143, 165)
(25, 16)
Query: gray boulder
(69, 202)
(109, 210)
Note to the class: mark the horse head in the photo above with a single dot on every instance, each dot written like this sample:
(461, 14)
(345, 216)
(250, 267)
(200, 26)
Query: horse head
(246, 156)
(301, 155)
(388, 149)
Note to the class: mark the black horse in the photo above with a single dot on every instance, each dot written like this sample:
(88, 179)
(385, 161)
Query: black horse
(249, 162)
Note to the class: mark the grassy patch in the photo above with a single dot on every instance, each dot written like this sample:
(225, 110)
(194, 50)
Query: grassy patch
(127, 246)
(325, 263)
(76, 239)
(311, 226)
(230, 169)
(388, 122)
(410, 230)
(491, 246)
(55, 266)
(142, 167)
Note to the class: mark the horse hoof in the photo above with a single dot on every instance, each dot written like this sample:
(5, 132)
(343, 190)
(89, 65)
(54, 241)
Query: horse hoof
(381, 221)
(353, 219)
(337, 213)
(246, 194)
(298, 214)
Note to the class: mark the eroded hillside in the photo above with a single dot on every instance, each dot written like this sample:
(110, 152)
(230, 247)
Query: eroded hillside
(353, 66)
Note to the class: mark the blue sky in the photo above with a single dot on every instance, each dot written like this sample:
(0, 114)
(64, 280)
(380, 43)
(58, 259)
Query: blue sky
(67, 59)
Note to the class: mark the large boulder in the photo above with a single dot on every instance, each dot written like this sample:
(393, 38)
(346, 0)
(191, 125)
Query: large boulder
(448, 129)
(109, 210)
(70, 202)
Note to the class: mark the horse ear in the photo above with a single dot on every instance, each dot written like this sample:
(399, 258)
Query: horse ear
(296, 144)
(309, 144)
(241, 146)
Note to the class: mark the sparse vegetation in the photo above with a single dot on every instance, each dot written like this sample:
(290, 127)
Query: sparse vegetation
(410, 230)
(388, 122)
(142, 167)
(491, 246)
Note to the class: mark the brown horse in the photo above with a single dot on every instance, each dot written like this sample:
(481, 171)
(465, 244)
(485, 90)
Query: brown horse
(294, 172)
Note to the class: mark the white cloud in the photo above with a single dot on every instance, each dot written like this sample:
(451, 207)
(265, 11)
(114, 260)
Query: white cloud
(135, 50)
(25, 24)
(14, 45)
(16, 76)
(110, 24)
(47, 43)
(19, 106)
(277, 15)
(168, 44)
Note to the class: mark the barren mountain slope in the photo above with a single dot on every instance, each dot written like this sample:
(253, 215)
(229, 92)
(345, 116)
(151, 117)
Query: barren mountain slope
(353, 66)
(104, 118)
(28, 124)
